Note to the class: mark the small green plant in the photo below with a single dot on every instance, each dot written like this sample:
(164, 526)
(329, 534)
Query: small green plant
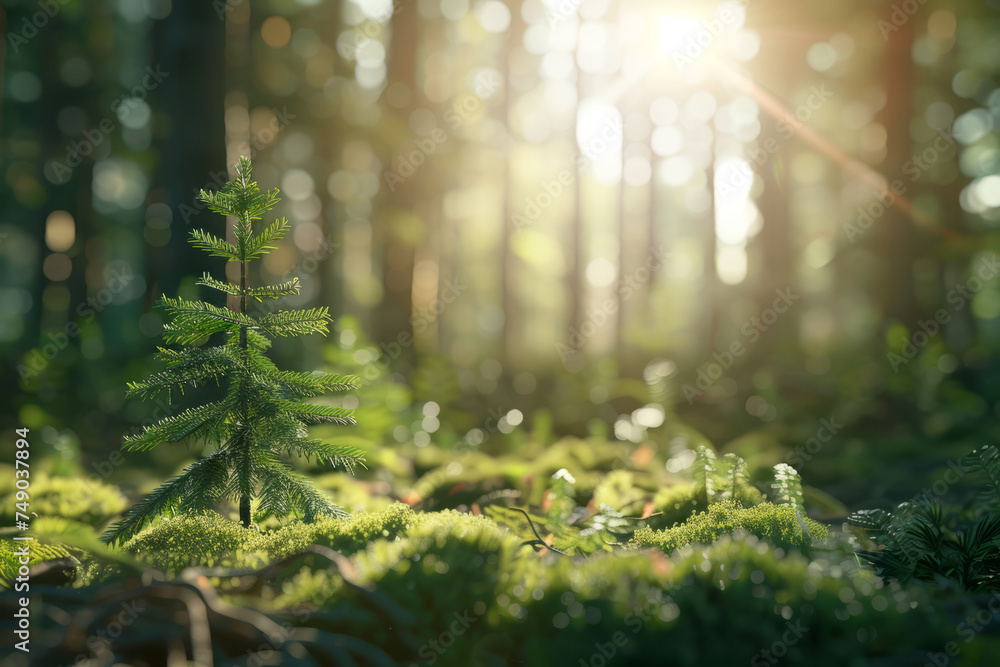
(260, 420)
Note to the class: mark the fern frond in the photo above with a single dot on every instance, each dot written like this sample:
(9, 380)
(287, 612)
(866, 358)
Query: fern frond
(734, 470)
(787, 486)
(702, 474)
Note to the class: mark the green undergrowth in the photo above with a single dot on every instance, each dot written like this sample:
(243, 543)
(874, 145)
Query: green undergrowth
(84, 499)
(782, 525)
(477, 596)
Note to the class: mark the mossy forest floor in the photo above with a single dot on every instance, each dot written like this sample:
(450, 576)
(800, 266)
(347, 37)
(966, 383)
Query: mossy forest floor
(581, 553)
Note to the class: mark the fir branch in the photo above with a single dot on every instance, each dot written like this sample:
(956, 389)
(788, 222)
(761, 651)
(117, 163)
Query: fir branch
(345, 456)
(286, 491)
(188, 424)
(261, 244)
(191, 366)
(287, 288)
(316, 414)
(213, 245)
(194, 320)
(307, 385)
(296, 322)
(196, 487)
(224, 287)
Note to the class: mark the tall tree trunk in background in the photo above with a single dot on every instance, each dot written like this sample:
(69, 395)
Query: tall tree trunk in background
(397, 254)
(189, 44)
(507, 259)
(710, 275)
(574, 275)
(897, 239)
(622, 252)
(770, 253)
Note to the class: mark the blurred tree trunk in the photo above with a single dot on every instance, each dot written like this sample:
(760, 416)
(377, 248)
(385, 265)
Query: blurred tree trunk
(508, 261)
(897, 241)
(574, 274)
(770, 253)
(396, 253)
(190, 45)
(710, 278)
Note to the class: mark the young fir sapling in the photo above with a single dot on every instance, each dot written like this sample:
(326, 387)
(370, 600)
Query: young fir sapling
(260, 417)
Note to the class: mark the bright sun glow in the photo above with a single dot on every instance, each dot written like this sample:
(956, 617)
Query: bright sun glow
(677, 32)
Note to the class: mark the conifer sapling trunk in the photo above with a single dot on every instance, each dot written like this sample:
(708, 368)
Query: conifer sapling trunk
(260, 420)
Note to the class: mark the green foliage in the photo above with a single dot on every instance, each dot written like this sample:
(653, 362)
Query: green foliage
(779, 524)
(208, 539)
(985, 462)
(260, 419)
(915, 542)
(11, 555)
(82, 499)
(787, 486)
(919, 541)
(205, 539)
(347, 537)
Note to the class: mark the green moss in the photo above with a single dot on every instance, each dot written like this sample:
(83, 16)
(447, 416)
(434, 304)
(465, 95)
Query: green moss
(82, 499)
(344, 535)
(197, 539)
(780, 524)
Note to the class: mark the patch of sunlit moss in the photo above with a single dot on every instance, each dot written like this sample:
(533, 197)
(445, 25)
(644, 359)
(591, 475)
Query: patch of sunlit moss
(783, 525)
